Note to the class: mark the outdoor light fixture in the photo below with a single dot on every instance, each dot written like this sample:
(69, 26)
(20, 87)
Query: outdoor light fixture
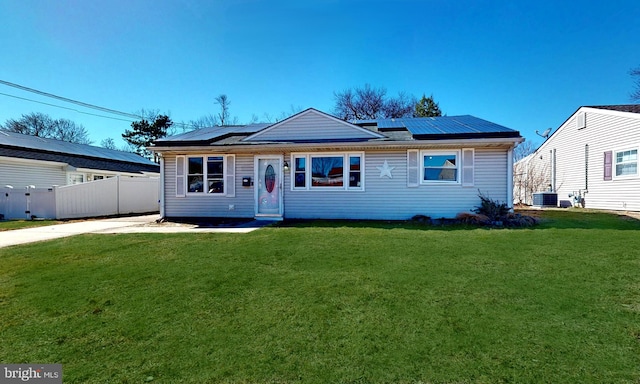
(286, 166)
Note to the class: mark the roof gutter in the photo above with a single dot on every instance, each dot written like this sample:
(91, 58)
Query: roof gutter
(33, 161)
(377, 145)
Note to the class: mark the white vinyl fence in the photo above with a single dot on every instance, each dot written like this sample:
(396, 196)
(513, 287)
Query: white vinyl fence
(113, 196)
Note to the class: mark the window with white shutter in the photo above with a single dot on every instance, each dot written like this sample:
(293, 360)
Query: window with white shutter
(212, 175)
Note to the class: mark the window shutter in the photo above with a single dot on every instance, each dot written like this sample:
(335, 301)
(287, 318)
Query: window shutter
(230, 176)
(180, 178)
(608, 159)
(413, 170)
(468, 165)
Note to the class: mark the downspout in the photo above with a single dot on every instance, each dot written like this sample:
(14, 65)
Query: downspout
(161, 186)
(552, 178)
(510, 178)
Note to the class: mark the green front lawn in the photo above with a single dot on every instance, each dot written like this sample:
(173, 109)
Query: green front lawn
(9, 225)
(332, 302)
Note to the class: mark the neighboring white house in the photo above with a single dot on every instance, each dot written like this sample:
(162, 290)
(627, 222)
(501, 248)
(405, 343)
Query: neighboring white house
(314, 165)
(35, 161)
(591, 160)
(47, 178)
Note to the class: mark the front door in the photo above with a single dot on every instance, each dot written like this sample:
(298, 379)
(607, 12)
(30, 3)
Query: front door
(269, 186)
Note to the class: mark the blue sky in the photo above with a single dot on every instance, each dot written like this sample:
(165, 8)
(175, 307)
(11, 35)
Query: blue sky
(525, 65)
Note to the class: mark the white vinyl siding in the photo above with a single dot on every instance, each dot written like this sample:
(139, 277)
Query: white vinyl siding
(382, 197)
(240, 204)
(311, 126)
(20, 174)
(605, 132)
(391, 199)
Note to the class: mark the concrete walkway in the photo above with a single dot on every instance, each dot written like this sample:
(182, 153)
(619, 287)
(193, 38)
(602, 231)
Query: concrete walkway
(134, 224)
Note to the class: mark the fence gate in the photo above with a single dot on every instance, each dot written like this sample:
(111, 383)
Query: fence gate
(112, 196)
(29, 203)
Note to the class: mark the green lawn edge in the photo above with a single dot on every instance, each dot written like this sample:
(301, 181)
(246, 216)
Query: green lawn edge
(333, 302)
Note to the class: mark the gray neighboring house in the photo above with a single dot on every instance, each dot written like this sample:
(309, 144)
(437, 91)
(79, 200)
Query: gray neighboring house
(34, 161)
(314, 165)
(591, 160)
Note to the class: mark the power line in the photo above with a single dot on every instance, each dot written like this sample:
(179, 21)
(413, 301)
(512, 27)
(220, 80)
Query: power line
(80, 103)
(59, 106)
(65, 99)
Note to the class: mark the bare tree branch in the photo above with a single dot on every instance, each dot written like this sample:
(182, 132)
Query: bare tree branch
(223, 115)
(371, 103)
(42, 125)
(635, 95)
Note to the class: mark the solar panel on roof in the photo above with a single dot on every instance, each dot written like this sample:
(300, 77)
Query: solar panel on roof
(391, 123)
(212, 133)
(453, 125)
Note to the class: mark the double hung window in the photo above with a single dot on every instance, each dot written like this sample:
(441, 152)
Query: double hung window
(195, 174)
(206, 174)
(215, 174)
(441, 167)
(626, 163)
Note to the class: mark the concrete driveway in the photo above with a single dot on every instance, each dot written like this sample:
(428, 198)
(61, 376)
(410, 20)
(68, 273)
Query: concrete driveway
(134, 224)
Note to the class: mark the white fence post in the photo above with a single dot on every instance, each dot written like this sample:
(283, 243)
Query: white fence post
(118, 193)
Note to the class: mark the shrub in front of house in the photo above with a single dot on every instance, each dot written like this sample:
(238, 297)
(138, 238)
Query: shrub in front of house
(469, 218)
(498, 214)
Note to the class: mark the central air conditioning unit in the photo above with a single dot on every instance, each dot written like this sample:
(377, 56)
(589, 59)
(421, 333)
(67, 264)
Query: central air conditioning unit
(545, 199)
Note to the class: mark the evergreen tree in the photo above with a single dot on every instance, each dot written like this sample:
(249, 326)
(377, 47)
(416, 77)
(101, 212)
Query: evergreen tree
(144, 133)
(427, 107)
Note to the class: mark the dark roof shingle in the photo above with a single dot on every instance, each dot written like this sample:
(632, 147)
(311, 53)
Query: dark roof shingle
(18, 140)
(400, 129)
(77, 155)
(633, 108)
(79, 161)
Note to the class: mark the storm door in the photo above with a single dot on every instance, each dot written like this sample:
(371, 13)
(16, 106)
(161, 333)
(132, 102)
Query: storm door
(269, 184)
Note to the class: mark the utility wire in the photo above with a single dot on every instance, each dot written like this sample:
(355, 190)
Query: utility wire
(80, 103)
(59, 106)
